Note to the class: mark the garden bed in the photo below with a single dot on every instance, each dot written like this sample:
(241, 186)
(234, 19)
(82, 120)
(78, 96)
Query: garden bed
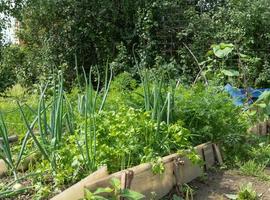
(177, 171)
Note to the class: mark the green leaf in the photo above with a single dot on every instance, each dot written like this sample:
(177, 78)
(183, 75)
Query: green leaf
(262, 105)
(252, 112)
(88, 195)
(103, 190)
(243, 55)
(97, 197)
(230, 72)
(265, 96)
(222, 50)
(115, 183)
(132, 194)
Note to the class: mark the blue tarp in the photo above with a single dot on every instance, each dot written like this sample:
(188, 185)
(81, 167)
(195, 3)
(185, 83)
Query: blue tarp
(241, 96)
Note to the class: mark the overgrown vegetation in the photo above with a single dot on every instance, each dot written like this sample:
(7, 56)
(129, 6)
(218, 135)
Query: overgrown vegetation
(75, 133)
(114, 83)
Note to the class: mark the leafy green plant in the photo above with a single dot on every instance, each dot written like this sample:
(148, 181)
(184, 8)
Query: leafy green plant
(157, 166)
(246, 192)
(114, 192)
(260, 153)
(188, 192)
(210, 115)
(9, 57)
(192, 155)
(261, 107)
(128, 137)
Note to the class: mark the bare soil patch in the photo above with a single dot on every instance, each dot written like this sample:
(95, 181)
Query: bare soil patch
(218, 183)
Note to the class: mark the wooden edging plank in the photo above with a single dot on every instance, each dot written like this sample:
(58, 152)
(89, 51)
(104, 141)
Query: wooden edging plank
(11, 139)
(23, 166)
(146, 182)
(261, 128)
(77, 191)
(217, 154)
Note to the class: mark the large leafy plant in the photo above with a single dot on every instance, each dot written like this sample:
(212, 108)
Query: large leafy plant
(210, 115)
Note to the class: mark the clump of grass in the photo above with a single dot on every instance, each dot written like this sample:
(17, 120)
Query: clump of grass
(252, 168)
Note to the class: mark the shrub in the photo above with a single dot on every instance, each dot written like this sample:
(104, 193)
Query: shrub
(210, 115)
(8, 68)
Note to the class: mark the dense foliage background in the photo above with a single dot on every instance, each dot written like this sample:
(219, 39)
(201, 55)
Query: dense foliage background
(152, 33)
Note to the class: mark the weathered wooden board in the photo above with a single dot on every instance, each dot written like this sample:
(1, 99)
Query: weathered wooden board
(209, 156)
(3, 168)
(262, 128)
(146, 182)
(218, 154)
(77, 191)
(11, 139)
(189, 171)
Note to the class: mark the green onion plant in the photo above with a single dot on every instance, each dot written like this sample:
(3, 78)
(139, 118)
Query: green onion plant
(51, 117)
(90, 103)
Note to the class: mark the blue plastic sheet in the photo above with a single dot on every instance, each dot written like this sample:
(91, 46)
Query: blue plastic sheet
(242, 96)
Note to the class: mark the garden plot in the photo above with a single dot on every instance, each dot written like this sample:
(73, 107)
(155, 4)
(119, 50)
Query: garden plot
(140, 129)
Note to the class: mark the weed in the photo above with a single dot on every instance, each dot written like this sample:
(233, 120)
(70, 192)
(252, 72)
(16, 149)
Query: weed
(245, 192)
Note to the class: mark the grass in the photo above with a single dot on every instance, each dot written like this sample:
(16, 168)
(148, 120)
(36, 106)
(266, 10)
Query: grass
(10, 110)
(252, 168)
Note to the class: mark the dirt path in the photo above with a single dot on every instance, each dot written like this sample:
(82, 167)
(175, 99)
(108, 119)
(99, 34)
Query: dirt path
(219, 183)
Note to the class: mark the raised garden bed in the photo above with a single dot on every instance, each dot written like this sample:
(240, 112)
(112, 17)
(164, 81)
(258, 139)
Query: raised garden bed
(177, 171)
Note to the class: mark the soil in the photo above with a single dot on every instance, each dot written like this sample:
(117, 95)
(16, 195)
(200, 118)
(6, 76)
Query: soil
(219, 183)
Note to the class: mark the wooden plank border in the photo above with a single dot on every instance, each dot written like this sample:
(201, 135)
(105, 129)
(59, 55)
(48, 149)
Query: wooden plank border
(77, 191)
(178, 170)
(145, 182)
